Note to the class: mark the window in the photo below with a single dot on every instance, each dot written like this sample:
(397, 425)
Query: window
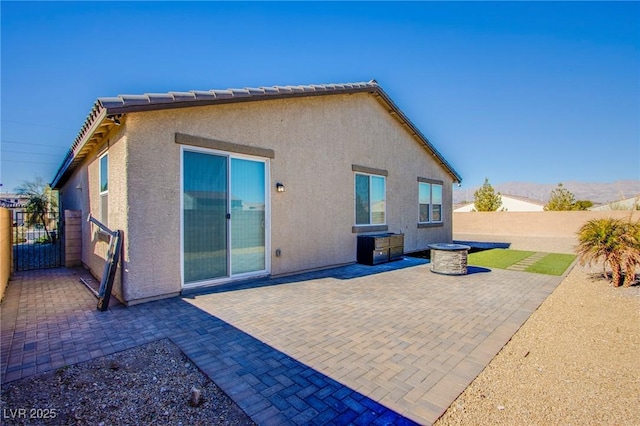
(436, 203)
(104, 189)
(425, 202)
(370, 199)
(429, 201)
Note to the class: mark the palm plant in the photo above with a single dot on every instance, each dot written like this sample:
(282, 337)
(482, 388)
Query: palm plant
(631, 238)
(41, 200)
(601, 240)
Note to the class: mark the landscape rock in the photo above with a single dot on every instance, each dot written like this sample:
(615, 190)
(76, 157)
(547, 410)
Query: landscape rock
(582, 366)
(146, 388)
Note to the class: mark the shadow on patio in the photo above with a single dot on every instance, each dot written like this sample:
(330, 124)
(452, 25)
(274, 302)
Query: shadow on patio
(347, 272)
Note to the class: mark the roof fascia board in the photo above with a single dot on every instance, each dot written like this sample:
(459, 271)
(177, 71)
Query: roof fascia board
(78, 145)
(417, 133)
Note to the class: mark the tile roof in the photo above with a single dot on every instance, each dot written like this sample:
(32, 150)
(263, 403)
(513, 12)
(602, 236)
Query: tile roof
(525, 199)
(107, 110)
(12, 200)
(130, 103)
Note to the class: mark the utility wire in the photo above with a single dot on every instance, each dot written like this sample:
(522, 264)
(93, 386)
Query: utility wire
(33, 143)
(36, 124)
(29, 153)
(32, 162)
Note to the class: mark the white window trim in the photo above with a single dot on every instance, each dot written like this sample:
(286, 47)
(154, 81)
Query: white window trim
(355, 196)
(431, 183)
(102, 193)
(267, 241)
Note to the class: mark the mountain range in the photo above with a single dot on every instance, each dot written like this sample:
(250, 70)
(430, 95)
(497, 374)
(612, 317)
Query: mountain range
(596, 192)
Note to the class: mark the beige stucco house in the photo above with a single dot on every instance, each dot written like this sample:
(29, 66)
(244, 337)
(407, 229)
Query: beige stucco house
(221, 185)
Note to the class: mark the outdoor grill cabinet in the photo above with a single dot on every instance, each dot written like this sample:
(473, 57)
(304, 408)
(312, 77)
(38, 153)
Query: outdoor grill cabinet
(380, 248)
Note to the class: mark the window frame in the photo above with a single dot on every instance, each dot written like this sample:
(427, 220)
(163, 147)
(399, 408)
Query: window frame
(420, 202)
(229, 154)
(431, 222)
(103, 195)
(370, 177)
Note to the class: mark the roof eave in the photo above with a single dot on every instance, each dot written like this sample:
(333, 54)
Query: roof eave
(93, 129)
(395, 110)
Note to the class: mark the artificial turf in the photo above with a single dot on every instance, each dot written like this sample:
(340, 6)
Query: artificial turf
(552, 264)
(497, 258)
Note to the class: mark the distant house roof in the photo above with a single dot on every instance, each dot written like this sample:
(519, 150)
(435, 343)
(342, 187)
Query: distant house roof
(524, 199)
(632, 203)
(106, 113)
(13, 201)
(512, 203)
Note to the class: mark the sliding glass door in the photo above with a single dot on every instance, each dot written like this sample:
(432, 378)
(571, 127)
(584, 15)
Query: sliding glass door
(205, 216)
(224, 216)
(247, 216)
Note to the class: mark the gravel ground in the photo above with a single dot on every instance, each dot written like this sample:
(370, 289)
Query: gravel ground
(576, 361)
(147, 385)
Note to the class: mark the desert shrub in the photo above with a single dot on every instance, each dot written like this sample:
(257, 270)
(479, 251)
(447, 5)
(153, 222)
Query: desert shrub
(631, 254)
(614, 242)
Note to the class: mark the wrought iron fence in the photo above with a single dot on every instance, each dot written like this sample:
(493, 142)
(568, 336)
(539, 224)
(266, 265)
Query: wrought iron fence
(37, 241)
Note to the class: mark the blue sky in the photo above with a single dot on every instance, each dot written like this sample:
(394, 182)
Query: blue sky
(540, 92)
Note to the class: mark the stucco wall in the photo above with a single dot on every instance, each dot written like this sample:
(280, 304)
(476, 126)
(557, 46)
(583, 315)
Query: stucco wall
(543, 231)
(81, 192)
(316, 142)
(5, 248)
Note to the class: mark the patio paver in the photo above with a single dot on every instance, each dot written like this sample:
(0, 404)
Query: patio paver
(391, 344)
(527, 261)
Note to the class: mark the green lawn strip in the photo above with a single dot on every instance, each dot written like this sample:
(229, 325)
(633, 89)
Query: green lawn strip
(497, 258)
(552, 264)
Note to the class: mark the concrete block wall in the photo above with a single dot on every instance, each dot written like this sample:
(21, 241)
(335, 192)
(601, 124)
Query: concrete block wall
(6, 249)
(72, 238)
(554, 232)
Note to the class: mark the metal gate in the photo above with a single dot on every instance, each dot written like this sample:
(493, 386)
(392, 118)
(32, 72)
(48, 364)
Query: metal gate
(37, 241)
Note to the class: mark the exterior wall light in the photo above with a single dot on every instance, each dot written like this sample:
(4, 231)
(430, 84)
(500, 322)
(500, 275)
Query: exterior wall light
(279, 187)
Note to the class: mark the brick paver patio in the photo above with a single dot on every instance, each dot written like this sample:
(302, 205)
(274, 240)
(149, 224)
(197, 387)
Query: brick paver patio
(390, 344)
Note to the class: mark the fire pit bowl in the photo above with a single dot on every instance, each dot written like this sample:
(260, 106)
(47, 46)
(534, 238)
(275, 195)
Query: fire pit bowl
(449, 259)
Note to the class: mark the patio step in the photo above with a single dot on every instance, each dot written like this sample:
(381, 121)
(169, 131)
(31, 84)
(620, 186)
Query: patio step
(527, 261)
